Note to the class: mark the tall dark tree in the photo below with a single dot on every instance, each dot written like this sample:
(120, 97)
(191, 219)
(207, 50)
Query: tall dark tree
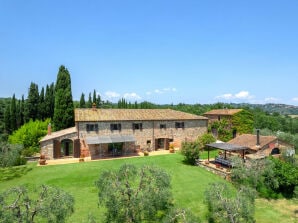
(7, 119)
(32, 102)
(19, 113)
(49, 101)
(98, 101)
(89, 103)
(22, 111)
(94, 97)
(41, 105)
(13, 114)
(82, 101)
(64, 109)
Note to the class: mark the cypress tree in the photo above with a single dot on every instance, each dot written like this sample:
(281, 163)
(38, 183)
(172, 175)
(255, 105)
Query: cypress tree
(7, 119)
(89, 104)
(64, 109)
(98, 101)
(94, 97)
(13, 114)
(22, 111)
(32, 102)
(51, 101)
(41, 105)
(82, 101)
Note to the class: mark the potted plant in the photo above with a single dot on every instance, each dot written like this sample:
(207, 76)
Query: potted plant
(82, 158)
(146, 153)
(172, 149)
(42, 159)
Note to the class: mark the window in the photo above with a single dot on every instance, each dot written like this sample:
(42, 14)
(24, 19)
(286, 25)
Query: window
(136, 126)
(92, 127)
(179, 125)
(115, 127)
(163, 126)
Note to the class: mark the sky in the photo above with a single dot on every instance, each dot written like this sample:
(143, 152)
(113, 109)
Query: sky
(162, 51)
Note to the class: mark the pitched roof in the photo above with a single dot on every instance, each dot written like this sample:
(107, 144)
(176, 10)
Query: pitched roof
(59, 133)
(89, 114)
(249, 140)
(223, 112)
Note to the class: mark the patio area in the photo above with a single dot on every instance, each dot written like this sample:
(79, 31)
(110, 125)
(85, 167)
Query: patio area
(88, 159)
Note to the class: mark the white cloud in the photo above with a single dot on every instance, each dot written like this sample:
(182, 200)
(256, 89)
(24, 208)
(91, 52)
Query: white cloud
(243, 95)
(162, 91)
(295, 99)
(132, 95)
(240, 95)
(112, 94)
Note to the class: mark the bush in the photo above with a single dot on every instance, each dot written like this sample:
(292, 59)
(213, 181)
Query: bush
(10, 155)
(191, 151)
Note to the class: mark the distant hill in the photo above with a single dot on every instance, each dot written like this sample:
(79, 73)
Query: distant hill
(271, 108)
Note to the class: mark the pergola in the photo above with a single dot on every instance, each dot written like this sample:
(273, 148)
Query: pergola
(227, 147)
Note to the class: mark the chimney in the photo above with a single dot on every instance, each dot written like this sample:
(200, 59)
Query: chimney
(93, 106)
(49, 129)
(258, 137)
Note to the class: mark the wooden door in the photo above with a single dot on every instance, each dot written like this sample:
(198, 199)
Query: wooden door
(57, 149)
(77, 148)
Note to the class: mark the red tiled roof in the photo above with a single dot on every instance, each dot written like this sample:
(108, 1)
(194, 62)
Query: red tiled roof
(223, 112)
(249, 140)
(57, 134)
(89, 114)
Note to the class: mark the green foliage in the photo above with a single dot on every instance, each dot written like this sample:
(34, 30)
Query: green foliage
(286, 173)
(29, 135)
(206, 138)
(243, 122)
(32, 103)
(257, 174)
(63, 113)
(224, 131)
(82, 101)
(180, 215)
(10, 155)
(133, 194)
(49, 101)
(191, 151)
(225, 207)
(49, 204)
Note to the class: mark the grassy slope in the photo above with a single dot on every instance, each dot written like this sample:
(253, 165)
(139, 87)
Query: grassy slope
(188, 184)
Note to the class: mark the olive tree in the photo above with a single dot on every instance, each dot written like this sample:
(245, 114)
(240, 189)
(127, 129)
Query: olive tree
(224, 206)
(46, 204)
(132, 194)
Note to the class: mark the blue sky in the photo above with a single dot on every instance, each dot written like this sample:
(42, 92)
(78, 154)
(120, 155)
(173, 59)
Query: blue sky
(163, 51)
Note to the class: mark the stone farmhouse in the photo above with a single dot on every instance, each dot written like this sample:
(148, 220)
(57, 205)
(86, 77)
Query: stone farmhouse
(103, 133)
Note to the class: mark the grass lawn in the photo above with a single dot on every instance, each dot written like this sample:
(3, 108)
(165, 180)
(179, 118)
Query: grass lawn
(188, 185)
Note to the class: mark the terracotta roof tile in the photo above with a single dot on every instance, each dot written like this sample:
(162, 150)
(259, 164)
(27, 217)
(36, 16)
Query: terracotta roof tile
(59, 133)
(89, 114)
(249, 140)
(223, 112)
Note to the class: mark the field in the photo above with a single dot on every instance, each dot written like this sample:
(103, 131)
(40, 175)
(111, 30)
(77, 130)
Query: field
(188, 186)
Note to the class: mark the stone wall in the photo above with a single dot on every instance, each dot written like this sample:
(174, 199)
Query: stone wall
(150, 130)
(47, 147)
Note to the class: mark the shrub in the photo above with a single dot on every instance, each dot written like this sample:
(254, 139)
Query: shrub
(191, 151)
(10, 155)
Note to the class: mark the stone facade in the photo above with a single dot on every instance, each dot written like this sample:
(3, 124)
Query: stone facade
(150, 131)
(46, 146)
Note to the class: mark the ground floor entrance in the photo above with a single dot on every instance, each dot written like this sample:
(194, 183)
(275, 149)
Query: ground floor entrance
(162, 143)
